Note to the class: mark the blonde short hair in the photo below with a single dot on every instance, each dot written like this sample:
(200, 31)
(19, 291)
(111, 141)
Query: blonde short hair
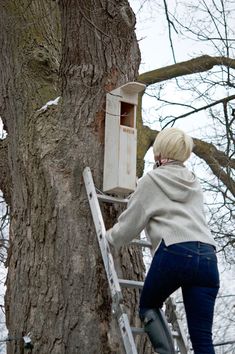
(173, 143)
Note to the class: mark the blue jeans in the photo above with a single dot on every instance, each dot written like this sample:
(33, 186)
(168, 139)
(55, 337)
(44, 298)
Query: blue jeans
(193, 267)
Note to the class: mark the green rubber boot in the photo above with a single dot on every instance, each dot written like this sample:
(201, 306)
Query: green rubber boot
(156, 326)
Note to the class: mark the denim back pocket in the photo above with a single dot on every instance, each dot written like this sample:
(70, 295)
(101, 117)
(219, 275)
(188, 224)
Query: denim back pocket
(208, 273)
(177, 265)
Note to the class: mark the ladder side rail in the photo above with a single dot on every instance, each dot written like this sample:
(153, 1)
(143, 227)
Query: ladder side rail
(101, 231)
(177, 326)
(116, 294)
(126, 333)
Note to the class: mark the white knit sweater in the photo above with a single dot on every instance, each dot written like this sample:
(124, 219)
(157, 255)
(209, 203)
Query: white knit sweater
(168, 204)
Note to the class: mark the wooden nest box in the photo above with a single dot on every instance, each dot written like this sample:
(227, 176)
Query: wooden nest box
(121, 139)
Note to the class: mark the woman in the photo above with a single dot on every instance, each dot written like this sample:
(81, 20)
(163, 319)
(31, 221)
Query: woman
(168, 203)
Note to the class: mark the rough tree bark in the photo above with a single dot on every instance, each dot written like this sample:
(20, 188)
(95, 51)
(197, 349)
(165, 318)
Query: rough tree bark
(79, 50)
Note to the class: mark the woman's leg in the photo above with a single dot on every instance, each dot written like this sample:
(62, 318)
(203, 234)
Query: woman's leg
(199, 300)
(158, 285)
(161, 280)
(199, 306)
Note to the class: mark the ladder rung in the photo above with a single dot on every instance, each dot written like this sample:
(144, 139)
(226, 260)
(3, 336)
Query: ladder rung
(140, 330)
(108, 199)
(175, 334)
(142, 243)
(137, 330)
(131, 283)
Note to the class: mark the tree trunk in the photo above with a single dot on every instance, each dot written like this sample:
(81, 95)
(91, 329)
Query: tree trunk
(56, 286)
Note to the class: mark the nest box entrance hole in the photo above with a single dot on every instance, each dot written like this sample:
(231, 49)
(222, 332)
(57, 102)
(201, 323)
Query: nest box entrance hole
(127, 114)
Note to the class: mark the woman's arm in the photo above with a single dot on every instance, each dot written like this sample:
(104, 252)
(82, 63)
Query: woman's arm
(133, 220)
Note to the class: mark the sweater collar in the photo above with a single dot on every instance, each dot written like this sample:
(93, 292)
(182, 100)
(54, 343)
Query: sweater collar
(165, 162)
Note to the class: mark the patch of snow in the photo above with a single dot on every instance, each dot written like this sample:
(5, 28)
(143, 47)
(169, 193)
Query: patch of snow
(3, 133)
(49, 103)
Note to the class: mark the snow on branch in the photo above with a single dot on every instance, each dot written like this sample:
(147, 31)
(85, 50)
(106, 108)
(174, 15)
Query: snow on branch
(49, 103)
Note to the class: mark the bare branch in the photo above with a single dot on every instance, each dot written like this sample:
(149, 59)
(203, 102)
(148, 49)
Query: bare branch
(215, 161)
(196, 110)
(193, 66)
(170, 24)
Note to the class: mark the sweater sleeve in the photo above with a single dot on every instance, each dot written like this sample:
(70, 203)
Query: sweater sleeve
(131, 222)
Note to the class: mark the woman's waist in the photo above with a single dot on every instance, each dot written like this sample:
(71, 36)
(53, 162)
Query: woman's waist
(190, 247)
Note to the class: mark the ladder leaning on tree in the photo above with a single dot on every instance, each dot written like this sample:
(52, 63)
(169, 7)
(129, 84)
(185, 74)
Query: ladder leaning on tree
(115, 283)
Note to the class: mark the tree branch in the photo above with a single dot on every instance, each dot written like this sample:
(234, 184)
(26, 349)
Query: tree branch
(5, 179)
(196, 110)
(193, 66)
(215, 160)
(208, 152)
(170, 24)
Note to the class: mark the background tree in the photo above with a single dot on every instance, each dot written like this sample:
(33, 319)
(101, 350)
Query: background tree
(190, 89)
(218, 156)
